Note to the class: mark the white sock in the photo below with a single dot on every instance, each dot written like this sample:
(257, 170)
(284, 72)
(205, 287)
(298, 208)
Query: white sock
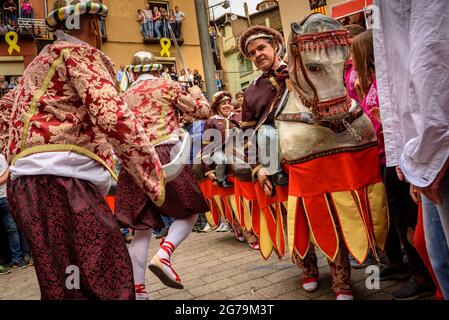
(138, 250)
(177, 233)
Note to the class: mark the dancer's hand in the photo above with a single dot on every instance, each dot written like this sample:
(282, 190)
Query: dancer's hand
(212, 176)
(400, 174)
(262, 176)
(359, 90)
(375, 112)
(194, 90)
(415, 194)
(432, 192)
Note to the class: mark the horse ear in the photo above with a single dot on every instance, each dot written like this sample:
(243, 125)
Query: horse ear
(296, 28)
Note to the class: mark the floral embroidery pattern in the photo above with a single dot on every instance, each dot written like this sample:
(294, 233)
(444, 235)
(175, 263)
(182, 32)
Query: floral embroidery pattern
(80, 106)
(155, 103)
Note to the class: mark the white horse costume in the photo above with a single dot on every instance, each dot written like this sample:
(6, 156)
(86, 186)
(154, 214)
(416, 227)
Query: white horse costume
(330, 149)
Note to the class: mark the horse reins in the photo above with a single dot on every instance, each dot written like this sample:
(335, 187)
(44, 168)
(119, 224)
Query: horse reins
(320, 40)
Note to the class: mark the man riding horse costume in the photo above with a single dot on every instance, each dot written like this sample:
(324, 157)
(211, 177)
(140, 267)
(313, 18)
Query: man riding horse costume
(336, 198)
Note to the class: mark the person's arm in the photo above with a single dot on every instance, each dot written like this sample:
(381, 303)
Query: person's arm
(358, 89)
(193, 103)
(94, 84)
(4, 177)
(425, 159)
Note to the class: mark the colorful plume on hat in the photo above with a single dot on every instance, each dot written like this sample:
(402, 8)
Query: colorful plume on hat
(59, 15)
(145, 68)
(138, 68)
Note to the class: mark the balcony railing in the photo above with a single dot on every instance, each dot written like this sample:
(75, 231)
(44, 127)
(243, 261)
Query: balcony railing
(153, 31)
(22, 23)
(26, 25)
(34, 27)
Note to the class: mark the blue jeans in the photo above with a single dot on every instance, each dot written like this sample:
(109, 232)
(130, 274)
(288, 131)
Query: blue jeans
(17, 243)
(157, 28)
(436, 230)
(143, 30)
(150, 28)
(165, 31)
(178, 30)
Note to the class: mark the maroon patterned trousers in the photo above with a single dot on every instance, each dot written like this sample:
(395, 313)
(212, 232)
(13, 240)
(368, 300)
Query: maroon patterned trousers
(75, 241)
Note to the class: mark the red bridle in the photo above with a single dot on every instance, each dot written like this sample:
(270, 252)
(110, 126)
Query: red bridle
(320, 40)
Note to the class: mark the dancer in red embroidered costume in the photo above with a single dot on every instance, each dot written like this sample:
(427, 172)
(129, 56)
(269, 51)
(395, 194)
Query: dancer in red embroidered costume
(156, 103)
(67, 118)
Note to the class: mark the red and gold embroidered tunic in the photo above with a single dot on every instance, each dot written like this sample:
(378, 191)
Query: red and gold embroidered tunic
(67, 101)
(155, 103)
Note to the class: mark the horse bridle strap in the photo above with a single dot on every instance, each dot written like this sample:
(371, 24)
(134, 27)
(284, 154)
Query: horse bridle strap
(313, 41)
(337, 125)
(321, 40)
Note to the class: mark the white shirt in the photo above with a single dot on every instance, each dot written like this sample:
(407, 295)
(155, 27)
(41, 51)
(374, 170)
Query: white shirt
(63, 164)
(148, 14)
(412, 67)
(179, 16)
(3, 168)
(66, 163)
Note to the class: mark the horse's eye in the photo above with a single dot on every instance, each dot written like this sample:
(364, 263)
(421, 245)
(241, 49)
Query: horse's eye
(313, 68)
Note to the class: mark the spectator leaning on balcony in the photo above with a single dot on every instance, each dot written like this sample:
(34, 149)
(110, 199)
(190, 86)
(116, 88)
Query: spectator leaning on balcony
(157, 22)
(149, 21)
(10, 11)
(164, 23)
(179, 16)
(27, 9)
(172, 22)
(141, 19)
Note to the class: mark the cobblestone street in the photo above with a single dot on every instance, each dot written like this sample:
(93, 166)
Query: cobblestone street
(215, 266)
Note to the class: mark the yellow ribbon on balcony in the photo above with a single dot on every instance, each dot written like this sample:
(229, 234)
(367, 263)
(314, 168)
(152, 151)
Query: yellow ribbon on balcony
(165, 44)
(11, 38)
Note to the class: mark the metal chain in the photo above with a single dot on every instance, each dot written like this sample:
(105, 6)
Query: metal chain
(351, 130)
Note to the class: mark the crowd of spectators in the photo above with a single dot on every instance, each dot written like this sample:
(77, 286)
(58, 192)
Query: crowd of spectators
(7, 84)
(155, 22)
(169, 73)
(11, 11)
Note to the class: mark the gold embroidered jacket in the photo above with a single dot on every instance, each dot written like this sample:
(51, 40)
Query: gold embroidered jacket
(66, 101)
(156, 102)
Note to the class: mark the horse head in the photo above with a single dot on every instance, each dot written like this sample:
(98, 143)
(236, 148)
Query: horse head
(318, 52)
(318, 115)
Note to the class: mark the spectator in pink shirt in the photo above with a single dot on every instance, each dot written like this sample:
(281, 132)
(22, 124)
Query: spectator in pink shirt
(27, 9)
